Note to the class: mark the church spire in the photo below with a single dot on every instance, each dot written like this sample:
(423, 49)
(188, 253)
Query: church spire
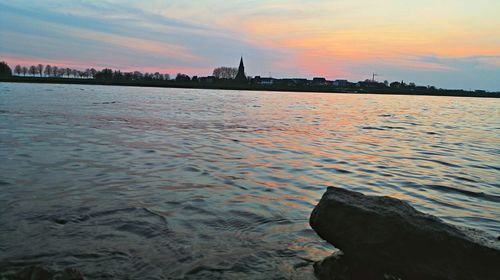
(241, 63)
(241, 77)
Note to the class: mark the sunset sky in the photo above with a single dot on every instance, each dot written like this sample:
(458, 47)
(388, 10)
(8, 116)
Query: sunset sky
(447, 43)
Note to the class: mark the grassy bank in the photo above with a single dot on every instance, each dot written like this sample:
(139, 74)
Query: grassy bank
(233, 86)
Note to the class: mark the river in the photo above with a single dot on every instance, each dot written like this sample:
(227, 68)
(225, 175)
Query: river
(153, 183)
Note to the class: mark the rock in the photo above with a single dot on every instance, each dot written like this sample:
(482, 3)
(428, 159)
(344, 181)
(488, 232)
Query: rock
(386, 238)
(340, 267)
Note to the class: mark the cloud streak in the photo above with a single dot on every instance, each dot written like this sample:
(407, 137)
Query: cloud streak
(422, 41)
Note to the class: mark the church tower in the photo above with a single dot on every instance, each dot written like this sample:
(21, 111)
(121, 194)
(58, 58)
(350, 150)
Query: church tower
(241, 77)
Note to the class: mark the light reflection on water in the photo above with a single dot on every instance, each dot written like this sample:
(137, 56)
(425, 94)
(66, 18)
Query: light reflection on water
(174, 183)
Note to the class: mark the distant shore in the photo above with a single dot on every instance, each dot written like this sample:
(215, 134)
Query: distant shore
(251, 87)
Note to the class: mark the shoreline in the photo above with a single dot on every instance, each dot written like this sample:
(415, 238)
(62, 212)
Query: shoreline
(232, 86)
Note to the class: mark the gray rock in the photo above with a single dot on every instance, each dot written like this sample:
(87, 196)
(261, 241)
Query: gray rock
(386, 238)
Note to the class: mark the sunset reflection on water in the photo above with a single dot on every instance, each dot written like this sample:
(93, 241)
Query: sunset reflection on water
(221, 183)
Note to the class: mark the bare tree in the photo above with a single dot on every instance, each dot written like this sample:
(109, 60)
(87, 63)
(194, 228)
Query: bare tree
(55, 71)
(48, 70)
(39, 69)
(225, 72)
(18, 69)
(25, 70)
(33, 70)
(87, 73)
(61, 72)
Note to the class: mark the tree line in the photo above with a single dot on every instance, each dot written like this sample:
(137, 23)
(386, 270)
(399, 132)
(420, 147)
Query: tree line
(50, 71)
(110, 74)
(53, 71)
(220, 75)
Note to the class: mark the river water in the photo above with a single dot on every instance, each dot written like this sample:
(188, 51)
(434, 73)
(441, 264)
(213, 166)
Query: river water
(150, 183)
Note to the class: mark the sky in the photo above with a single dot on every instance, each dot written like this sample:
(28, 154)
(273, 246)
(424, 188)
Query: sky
(446, 43)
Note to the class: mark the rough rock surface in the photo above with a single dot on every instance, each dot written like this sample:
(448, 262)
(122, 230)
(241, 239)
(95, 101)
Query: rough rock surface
(386, 238)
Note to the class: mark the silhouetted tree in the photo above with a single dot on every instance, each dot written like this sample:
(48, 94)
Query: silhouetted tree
(87, 73)
(18, 70)
(55, 71)
(67, 71)
(61, 72)
(182, 78)
(105, 74)
(118, 75)
(225, 72)
(32, 70)
(5, 71)
(137, 75)
(48, 70)
(93, 72)
(395, 85)
(25, 70)
(166, 77)
(39, 69)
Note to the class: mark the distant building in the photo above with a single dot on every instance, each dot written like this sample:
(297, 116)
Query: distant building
(207, 80)
(319, 81)
(300, 81)
(340, 83)
(292, 82)
(263, 81)
(241, 77)
(370, 84)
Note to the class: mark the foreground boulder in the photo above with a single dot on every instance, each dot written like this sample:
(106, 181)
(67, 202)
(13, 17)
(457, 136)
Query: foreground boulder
(386, 238)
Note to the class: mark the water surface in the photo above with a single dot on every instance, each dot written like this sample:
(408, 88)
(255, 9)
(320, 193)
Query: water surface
(146, 183)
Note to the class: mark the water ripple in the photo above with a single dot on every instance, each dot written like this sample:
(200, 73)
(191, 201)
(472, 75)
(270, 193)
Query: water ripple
(196, 184)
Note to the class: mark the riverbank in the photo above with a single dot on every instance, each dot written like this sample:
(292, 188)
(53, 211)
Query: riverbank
(252, 87)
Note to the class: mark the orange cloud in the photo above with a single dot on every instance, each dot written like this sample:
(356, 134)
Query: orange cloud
(325, 44)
